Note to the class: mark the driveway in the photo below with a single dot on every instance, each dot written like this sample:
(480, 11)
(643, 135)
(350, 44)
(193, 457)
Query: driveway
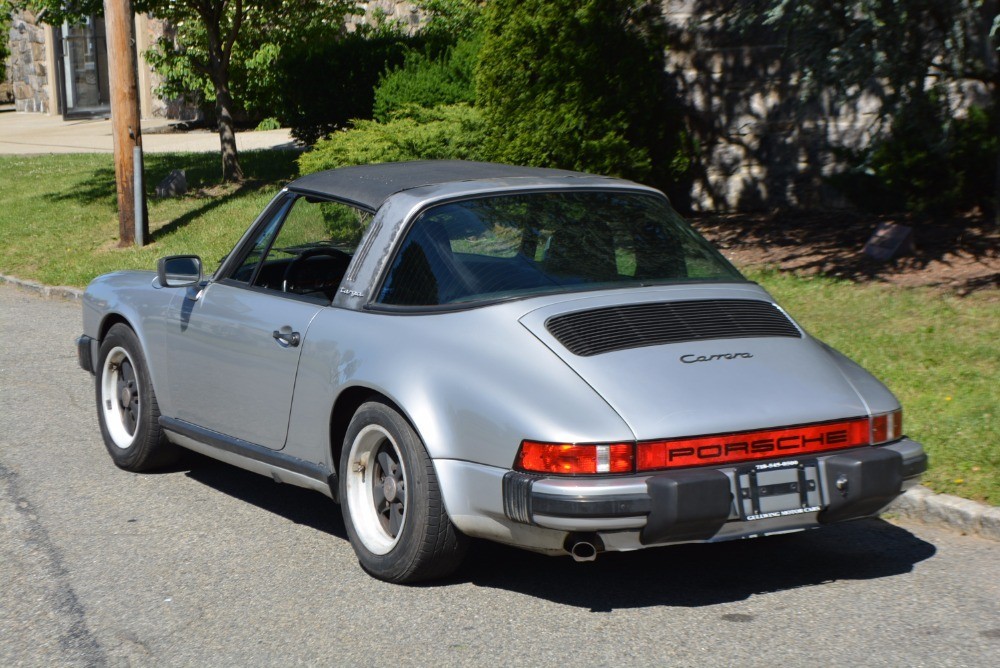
(208, 565)
(25, 134)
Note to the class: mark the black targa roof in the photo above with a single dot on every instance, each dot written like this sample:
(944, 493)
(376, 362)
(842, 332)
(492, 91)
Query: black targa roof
(370, 185)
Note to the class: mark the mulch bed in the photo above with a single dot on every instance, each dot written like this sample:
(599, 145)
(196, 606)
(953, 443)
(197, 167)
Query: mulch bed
(961, 255)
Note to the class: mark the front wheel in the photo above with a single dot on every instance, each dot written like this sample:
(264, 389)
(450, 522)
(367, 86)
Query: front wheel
(392, 506)
(126, 405)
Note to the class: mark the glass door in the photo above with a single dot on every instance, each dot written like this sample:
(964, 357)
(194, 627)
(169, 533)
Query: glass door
(84, 65)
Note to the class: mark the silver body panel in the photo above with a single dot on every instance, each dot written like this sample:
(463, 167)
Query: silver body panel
(784, 381)
(473, 383)
(221, 349)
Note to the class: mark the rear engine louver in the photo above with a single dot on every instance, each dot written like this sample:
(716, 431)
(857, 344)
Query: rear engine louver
(604, 330)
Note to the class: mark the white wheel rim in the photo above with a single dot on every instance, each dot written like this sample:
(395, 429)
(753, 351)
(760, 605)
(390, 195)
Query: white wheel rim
(362, 502)
(117, 410)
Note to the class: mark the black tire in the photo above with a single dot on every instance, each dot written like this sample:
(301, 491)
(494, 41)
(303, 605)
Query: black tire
(392, 505)
(126, 405)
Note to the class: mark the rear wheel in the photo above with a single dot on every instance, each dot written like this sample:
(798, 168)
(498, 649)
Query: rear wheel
(126, 405)
(392, 506)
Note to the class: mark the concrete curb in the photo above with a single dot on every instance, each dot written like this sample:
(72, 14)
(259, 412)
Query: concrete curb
(57, 292)
(958, 514)
(919, 503)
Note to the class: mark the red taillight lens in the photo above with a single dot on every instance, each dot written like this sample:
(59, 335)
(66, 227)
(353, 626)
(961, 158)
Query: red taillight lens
(722, 449)
(887, 427)
(752, 445)
(570, 459)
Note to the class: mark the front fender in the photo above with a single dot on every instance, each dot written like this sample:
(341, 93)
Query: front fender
(136, 298)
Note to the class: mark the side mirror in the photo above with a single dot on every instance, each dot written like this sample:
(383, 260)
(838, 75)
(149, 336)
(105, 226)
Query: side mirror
(179, 271)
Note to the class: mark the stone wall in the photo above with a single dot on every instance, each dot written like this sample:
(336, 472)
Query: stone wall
(405, 14)
(26, 67)
(759, 146)
(148, 31)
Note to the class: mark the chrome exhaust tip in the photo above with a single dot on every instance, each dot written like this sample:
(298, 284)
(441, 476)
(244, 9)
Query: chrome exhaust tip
(583, 551)
(584, 547)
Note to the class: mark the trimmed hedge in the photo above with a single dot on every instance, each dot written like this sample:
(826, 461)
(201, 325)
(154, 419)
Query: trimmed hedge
(448, 132)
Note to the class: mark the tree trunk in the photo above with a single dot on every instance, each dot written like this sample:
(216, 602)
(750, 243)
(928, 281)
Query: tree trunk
(231, 170)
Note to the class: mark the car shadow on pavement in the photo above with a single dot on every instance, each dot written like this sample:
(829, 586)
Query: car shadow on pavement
(299, 505)
(696, 575)
(683, 576)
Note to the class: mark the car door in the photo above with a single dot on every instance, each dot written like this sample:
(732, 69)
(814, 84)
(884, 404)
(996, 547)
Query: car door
(234, 348)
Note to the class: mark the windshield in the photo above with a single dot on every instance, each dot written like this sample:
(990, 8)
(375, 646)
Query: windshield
(532, 243)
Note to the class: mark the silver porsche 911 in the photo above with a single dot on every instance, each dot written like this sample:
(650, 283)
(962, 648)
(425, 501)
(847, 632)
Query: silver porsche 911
(547, 359)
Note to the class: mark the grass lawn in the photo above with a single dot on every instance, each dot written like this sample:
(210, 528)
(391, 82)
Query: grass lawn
(58, 220)
(936, 352)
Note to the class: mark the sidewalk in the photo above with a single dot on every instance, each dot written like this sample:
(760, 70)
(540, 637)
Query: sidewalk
(25, 134)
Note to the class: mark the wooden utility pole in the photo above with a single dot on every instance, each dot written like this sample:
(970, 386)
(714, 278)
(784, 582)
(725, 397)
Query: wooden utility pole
(120, 27)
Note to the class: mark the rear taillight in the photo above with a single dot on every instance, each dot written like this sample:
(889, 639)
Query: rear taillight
(572, 459)
(751, 446)
(717, 450)
(887, 427)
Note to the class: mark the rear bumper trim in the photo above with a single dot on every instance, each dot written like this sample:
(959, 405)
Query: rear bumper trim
(695, 504)
(604, 506)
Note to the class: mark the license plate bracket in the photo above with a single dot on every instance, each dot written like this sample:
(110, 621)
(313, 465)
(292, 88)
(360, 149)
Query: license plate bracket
(779, 489)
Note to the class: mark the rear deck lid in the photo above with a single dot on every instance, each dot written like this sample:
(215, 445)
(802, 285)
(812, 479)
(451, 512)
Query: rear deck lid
(692, 360)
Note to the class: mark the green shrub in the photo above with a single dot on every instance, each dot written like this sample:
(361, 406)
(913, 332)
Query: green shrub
(451, 132)
(429, 81)
(578, 84)
(324, 83)
(930, 163)
(5, 16)
(974, 155)
(913, 163)
(269, 123)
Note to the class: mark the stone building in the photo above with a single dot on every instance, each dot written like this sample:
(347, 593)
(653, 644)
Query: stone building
(63, 70)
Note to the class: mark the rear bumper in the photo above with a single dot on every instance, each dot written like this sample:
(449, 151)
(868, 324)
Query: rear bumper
(86, 353)
(721, 503)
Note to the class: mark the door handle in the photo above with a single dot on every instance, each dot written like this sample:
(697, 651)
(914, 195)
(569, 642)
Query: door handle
(286, 337)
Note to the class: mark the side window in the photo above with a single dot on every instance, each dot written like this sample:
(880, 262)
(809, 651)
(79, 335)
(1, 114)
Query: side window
(246, 270)
(306, 249)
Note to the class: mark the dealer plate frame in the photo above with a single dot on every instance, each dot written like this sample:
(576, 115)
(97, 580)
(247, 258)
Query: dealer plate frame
(778, 489)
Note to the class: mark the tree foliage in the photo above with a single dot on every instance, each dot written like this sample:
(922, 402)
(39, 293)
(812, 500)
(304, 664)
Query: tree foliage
(451, 20)
(578, 84)
(267, 28)
(5, 13)
(226, 49)
(319, 84)
(219, 50)
(439, 67)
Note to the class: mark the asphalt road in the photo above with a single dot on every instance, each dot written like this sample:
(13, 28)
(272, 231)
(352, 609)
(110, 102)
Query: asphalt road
(207, 565)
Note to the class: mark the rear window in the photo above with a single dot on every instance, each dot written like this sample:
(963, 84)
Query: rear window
(509, 246)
